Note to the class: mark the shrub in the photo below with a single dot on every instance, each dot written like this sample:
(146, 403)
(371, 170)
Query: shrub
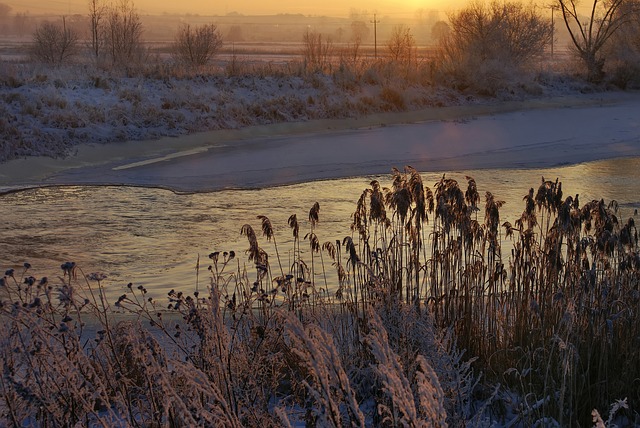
(317, 51)
(392, 99)
(123, 34)
(54, 43)
(402, 45)
(488, 44)
(235, 66)
(196, 46)
(8, 76)
(132, 95)
(372, 75)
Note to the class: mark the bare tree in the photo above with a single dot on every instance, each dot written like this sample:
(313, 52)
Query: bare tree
(425, 20)
(511, 33)
(359, 32)
(235, 34)
(196, 46)
(623, 51)
(97, 12)
(590, 35)
(123, 33)
(317, 50)
(5, 9)
(402, 45)
(54, 43)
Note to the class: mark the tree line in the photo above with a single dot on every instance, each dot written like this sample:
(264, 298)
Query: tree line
(479, 41)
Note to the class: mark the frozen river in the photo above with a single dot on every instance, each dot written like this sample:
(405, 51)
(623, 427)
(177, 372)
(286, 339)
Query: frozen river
(153, 237)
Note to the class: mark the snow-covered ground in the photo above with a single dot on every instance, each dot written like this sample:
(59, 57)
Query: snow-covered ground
(51, 112)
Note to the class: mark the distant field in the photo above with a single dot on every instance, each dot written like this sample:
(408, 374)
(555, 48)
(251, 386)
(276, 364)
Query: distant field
(14, 48)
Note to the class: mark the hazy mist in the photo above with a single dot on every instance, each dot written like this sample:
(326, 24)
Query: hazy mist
(246, 7)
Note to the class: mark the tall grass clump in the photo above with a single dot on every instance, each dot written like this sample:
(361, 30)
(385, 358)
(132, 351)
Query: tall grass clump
(553, 317)
(432, 311)
(67, 362)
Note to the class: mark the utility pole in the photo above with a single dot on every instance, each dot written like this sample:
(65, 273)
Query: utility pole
(375, 36)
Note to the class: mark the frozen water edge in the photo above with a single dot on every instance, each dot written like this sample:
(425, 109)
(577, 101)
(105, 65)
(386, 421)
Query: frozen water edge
(569, 128)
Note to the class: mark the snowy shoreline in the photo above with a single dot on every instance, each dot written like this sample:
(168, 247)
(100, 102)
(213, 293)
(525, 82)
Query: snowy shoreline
(266, 131)
(538, 132)
(50, 112)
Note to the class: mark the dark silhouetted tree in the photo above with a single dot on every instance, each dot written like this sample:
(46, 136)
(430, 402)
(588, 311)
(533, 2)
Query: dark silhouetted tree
(196, 46)
(54, 43)
(123, 34)
(590, 34)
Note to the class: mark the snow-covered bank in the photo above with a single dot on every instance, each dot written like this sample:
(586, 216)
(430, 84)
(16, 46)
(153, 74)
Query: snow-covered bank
(533, 133)
(49, 114)
(51, 111)
(74, 118)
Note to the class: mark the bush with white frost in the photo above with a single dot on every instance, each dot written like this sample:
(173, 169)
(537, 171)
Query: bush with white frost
(489, 43)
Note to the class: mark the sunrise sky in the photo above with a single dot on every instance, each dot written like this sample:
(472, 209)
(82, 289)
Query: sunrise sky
(246, 7)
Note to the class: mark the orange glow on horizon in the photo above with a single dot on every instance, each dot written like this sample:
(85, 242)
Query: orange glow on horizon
(335, 8)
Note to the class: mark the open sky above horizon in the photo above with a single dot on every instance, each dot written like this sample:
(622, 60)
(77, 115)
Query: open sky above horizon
(405, 8)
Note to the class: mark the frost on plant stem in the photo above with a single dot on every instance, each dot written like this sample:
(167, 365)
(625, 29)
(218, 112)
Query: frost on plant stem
(401, 408)
(430, 394)
(328, 382)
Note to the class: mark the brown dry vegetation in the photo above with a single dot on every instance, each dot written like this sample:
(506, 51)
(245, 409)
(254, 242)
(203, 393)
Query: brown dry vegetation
(435, 315)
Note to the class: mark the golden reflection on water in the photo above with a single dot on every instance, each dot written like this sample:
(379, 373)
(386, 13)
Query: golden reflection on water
(607, 178)
(153, 237)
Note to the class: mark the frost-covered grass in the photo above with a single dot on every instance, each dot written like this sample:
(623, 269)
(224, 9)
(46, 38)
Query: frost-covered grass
(430, 324)
(48, 111)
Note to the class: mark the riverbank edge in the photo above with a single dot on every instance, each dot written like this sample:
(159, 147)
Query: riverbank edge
(41, 171)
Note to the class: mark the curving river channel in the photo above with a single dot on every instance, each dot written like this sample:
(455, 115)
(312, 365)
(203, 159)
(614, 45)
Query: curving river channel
(153, 237)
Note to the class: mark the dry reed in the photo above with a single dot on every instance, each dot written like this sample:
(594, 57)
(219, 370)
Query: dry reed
(423, 299)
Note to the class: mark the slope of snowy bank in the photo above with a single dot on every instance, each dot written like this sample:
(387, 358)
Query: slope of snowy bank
(48, 116)
(49, 112)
